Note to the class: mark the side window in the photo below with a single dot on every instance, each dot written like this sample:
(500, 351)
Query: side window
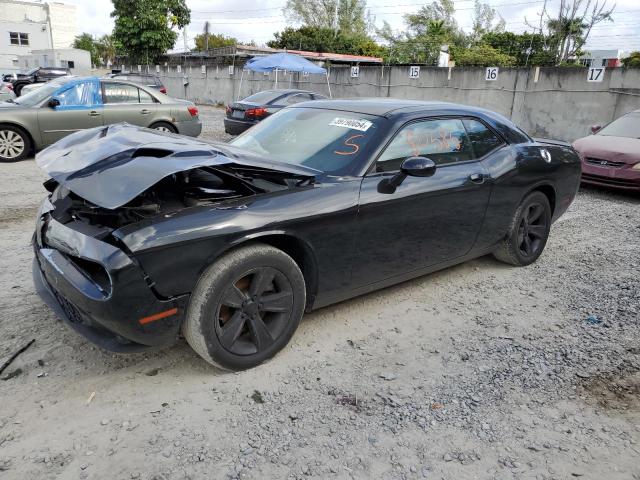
(145, 97)
(443, 141)
(120, 93)
(83, 94)
(482, 139)
(297, 98)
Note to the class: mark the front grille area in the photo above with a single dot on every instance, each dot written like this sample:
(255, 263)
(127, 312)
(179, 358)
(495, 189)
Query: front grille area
(71, 311)
(601, 162)
(619, 182)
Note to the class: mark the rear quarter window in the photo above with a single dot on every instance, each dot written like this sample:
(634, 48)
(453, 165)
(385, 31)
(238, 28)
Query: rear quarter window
(482, 139)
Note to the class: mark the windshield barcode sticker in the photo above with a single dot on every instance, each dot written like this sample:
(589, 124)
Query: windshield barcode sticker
(352, 123)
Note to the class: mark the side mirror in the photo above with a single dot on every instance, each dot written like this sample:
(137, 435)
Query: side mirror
(411, 167)
(53, 103)
(595, 128)
(418, 167)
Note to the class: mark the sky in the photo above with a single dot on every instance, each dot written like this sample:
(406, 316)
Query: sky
(258, 20)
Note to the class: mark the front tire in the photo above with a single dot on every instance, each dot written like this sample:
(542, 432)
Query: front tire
(15, 144)
(529, 231)
(245, 307)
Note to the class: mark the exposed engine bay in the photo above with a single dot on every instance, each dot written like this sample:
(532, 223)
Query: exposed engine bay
(191, 188)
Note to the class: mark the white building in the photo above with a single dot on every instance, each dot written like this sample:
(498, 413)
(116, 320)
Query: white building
(26, 27)
(602, 58)
(78, 61)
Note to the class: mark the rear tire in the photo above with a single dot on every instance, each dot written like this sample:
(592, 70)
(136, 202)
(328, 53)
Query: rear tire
(164, 127)
(245, 307)
(15, 144)
(529, 231)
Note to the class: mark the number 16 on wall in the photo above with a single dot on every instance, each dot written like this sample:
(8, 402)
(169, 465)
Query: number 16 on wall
(491, 74)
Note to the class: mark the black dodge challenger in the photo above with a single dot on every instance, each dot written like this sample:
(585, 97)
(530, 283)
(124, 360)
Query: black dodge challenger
(146, 235)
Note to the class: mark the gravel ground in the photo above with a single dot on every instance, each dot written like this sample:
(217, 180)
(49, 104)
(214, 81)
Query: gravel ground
(479, 371)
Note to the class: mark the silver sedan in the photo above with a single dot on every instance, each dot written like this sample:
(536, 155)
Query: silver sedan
(66, 105)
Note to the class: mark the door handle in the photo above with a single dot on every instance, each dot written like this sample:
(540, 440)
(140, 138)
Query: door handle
(93, 113)
(477, 178)
(145, 112)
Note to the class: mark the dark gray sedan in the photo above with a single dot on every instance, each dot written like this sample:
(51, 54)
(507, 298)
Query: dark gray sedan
(247, 112)
(64, 106)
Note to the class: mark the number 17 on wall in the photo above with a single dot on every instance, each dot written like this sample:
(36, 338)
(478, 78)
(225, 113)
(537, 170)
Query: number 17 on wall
(595, 74)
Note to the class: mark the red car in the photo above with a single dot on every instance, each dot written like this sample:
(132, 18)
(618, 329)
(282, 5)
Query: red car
(611, 156)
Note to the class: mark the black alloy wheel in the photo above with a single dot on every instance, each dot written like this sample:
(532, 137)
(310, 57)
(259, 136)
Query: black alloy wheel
(253, 311)
(529, 231)
(246, 307)
(532, 231)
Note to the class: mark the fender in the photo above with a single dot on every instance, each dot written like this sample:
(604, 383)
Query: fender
(293, 245)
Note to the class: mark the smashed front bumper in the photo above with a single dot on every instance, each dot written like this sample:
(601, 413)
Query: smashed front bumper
(110, 302)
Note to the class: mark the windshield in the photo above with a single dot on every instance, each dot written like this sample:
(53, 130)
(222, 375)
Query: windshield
(40, 94)
(263, 97)
(626, 126)
(326, 140)
(32, 71)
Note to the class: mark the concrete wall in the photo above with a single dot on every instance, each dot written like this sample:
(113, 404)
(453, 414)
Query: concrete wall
(559, 103)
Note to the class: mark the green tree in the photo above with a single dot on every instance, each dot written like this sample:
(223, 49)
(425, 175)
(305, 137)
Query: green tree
(527, 48)
(569, 28)
(632, 61)
(86, 42)
(486, 19)
(107, 49)
(482, 55)
(347, 16)
(427, 32)
(215, 41)
(439, 10)
(317, 39)
(144, 28)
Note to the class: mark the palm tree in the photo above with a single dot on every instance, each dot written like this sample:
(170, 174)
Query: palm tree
(107, 49)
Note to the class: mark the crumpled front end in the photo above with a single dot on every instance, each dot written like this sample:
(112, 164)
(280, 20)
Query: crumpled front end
(98, 289)
(121, 178)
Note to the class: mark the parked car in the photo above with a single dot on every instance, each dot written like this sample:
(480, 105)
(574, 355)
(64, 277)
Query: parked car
(148, 80)
(145, 236)
(30, 88)
(6, 91)
(249, 111)
(35, 75)
(67, 105)
(611, 156)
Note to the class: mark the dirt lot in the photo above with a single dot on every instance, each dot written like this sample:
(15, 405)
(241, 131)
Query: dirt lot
(479, 371)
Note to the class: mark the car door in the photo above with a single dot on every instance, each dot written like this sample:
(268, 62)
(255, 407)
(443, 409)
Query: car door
(80, 107)
(124, 102)
(427, 220)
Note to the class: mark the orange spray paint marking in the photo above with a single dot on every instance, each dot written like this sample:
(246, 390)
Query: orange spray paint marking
(158, 316)
(348, 143)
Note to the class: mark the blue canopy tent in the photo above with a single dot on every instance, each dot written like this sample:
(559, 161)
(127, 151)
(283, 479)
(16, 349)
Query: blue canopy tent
(282, 61)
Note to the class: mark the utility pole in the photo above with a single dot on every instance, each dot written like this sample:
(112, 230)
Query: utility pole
(207, 29)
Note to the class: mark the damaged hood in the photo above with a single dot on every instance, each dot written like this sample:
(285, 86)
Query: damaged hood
(110, 166)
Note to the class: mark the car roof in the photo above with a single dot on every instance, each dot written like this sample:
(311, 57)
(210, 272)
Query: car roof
(133, 74)
(284, 91)
(382, 107)
(394, 108)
